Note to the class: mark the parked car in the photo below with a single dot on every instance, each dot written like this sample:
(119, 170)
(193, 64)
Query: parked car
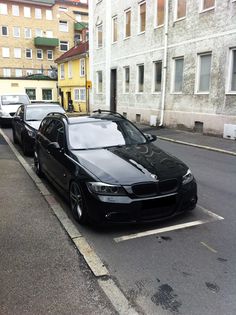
(9, 104)
(26, 121)
(110, 171)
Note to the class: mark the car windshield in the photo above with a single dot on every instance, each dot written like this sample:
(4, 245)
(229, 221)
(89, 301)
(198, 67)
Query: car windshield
(103, 134)
(14, 99)
(38, 113)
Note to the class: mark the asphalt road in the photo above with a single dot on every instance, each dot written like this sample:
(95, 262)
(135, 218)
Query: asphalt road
(189, 271)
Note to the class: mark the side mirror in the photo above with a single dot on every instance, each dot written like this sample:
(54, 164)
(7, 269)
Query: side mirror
(150, 138)
(54, 145)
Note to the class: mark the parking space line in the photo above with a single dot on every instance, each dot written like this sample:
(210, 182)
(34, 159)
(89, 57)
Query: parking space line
(208, 247)
(213, 217)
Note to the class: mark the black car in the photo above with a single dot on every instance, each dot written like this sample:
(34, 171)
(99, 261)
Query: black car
(110, 170)
(26, 121)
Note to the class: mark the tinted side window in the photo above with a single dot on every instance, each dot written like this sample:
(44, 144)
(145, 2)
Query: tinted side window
(54, 131)
(44, 125)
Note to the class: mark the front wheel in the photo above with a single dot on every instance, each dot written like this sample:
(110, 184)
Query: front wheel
(37, 165)
(77, 203)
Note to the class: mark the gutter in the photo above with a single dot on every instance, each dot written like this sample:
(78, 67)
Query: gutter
(163, 95)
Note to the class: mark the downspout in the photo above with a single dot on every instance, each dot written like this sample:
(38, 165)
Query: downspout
(163, 95)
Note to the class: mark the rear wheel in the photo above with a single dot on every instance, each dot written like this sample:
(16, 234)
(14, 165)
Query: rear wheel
(77, 203)
(37, 165)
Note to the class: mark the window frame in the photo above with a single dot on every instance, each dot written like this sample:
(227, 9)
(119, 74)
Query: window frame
(48, 15)
(207, 9)
(21, 73)
(27, 12)
(13, 31)
(138, 90)
(5, 52)
(197, 84)
(156, 14)
(60, 45)
(36, 15)
(99, 45)
(154, 76)
(98, 90)
(230, 74)
(113, 29)
(124, 80)
(31, 89)
(7, 29)
(28, 50)
(69, 70)
(176, 18)
(62, 71)
(139, 17)
(15, 54)
(125, 23)
(3, 9)
(77, 92)
(173, 87)
(82, 67)
(38, 50)
(63, 26)
(48, 54)
(30, 32)
(47, 89)
(15, 10)
(8, 71)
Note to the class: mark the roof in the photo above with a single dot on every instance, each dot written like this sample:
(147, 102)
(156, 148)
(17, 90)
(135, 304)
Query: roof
(77, 50)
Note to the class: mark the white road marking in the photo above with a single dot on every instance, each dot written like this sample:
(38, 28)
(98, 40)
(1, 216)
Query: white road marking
(213, 217)
(210, 248)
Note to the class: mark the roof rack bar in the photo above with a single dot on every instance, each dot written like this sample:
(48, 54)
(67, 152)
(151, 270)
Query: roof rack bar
(100, 111)
(60, 114)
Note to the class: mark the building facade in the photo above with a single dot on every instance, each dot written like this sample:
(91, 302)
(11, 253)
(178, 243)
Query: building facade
(171, 62)
(73, 78)
(32, 35)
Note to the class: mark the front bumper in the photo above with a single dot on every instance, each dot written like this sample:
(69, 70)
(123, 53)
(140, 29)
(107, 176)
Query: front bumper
(124, 209)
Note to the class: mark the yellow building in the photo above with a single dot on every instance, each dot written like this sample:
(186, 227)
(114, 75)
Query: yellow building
(34, 33)
(73, 78)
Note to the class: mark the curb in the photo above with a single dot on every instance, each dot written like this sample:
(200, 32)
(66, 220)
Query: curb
(198, 146)
(111, 290)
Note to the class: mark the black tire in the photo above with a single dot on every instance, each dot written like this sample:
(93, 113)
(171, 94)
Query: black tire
(77, 204)
(14, 136)
(37, 165)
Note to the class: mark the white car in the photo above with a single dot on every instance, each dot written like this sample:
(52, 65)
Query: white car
(9, 104)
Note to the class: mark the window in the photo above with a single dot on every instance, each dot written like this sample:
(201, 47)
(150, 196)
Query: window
(18, 73)
(29, 71)
(48, 14)
(39, 54)
(140, 78)
(64, 46)
(3, 8)
(160, 13)
(50, 54)
(63, 9)
(232, 69)
(80, 94)
(82, 67)
(27, 12)
(47, 94)
(5, 52)
(78, 18)
(27, 32)
(69, 69)
(99, 36)
(63, 26)
(49, 34)
(28, 53)
(31, 93)
(207, 4)
(15, 10)
(204, 73)
(114, 29)
(4, 30)
(38, 13)
(127, 23)
(16, 31)
(62, 71)
(99, 82)
(157, 76)
(142, 17)
(6, 72)
(126, 79)
(178, 75)
(38, 32)
(180, 9)
(17, 52)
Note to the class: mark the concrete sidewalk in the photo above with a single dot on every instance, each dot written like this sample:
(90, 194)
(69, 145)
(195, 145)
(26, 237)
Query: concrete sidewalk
(191, 138)
(41, 270)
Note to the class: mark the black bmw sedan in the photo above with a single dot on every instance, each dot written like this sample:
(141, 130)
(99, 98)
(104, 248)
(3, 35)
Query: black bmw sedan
(110, 171)
(26, 121)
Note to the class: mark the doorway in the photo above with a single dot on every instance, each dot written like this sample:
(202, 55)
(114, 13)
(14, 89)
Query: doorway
(113, 105)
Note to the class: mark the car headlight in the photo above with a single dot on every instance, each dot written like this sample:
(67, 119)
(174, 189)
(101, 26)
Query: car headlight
(4, 114)
(187, 178)
(106, 189)
(31, 133)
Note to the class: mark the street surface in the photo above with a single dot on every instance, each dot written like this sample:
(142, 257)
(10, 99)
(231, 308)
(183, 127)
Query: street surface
(189, 267)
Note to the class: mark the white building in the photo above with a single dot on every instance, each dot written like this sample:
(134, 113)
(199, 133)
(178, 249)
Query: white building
(171, 60)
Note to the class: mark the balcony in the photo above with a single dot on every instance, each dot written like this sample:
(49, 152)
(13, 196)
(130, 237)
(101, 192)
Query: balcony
(45, 41)
(78, 26)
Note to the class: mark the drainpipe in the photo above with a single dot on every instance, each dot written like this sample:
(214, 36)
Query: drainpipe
(163, 95)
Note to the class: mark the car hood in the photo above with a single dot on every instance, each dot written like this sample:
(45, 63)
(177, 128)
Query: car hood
(9, 108)
(130, 164)
(34, 124)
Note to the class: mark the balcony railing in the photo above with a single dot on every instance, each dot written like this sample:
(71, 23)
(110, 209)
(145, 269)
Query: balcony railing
(45, 41)
(78, 26)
